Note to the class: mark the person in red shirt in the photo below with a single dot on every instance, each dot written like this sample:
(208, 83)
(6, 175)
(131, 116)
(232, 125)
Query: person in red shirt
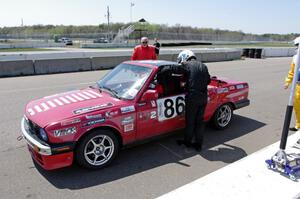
(144, 51)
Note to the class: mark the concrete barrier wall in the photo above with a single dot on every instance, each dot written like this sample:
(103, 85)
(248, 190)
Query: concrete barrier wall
(168, 57)
(99, 63)
(208, 57)
(16, 68)
(233, 55)
(13, 56)
(107, 45)
(46, 63)
(62, 65)
(165, 54)
(30, 63)
(219, 56)
(278, 52)
(31, 45)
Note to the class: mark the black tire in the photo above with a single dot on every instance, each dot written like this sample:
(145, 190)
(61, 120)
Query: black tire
(98, 149)
(222, 117)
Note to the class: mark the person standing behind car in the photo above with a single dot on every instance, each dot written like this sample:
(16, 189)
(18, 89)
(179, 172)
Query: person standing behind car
(157, 46)
(144, 51)
(288, 81)
(198, 78)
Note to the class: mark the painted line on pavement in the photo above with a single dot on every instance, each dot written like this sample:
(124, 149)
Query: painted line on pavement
(170, 150)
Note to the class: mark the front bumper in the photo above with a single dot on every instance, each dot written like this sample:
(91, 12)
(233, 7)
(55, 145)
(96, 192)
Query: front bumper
(33, 143)
(46, 156)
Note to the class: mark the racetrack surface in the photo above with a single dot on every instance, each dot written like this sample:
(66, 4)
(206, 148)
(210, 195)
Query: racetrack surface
(151, 169)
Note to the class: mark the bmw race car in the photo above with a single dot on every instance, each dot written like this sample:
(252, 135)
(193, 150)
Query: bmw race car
(134, 101)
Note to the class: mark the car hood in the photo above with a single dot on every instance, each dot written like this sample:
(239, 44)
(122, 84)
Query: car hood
(58, 107)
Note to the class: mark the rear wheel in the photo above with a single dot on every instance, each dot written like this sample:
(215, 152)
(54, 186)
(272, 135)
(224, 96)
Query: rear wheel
(97, 149)
(222, 117)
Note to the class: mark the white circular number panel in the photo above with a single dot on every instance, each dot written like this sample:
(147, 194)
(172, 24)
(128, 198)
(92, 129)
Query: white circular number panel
(170, 107)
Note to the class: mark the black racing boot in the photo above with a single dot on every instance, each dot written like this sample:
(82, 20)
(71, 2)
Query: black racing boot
(183, 142)
(197, 146)
(293, 129)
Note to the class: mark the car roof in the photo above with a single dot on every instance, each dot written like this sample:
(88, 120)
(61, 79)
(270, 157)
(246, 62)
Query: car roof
(153, 63)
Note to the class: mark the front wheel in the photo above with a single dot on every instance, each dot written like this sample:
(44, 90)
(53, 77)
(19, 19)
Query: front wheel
(292, 176)
(222, 117)
(97, 149)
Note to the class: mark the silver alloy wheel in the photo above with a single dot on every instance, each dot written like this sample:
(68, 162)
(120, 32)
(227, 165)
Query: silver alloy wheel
(224, 115)
(292, 177)
(99, 150)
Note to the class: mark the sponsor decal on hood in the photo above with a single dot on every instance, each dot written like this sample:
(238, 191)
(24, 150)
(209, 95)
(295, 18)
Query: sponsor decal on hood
(69, 122)
(93, 122)
(92, 108)
(64, 132)
(93, 116)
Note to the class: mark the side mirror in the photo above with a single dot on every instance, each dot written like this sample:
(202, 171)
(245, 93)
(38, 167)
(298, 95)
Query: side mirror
(149, 95)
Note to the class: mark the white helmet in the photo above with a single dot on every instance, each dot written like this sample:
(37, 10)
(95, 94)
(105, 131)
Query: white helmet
(185, 55)
(297, 41)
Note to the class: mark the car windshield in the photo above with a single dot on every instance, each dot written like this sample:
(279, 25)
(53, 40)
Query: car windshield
(125, 80)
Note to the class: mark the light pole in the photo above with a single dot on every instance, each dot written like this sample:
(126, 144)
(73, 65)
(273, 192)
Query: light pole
(131, 5)
(108, 28)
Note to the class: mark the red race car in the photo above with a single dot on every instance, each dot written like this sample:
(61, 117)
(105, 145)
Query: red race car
(133, 102)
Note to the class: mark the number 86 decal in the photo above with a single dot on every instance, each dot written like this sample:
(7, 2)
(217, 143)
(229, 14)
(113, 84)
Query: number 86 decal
(170, 107)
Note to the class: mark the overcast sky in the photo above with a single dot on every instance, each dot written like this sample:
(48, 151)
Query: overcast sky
(250, 16)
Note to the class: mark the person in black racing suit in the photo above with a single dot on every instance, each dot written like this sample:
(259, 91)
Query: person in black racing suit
(198, 78)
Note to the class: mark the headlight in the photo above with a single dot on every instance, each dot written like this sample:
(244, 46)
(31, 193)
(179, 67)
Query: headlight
(26, 125)
(43, 134)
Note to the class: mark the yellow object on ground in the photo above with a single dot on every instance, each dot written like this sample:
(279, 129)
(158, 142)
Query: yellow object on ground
(288, 81)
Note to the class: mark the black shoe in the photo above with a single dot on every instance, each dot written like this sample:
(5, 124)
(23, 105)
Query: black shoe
(197, 146)
(183, 142)
(188, 144)
(293, 129)
(180, 142)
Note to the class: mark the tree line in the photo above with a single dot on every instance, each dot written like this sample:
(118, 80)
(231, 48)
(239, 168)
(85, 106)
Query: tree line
(163, 31)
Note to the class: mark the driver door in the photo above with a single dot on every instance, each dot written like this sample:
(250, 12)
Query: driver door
(147, 120)
(159, 116)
